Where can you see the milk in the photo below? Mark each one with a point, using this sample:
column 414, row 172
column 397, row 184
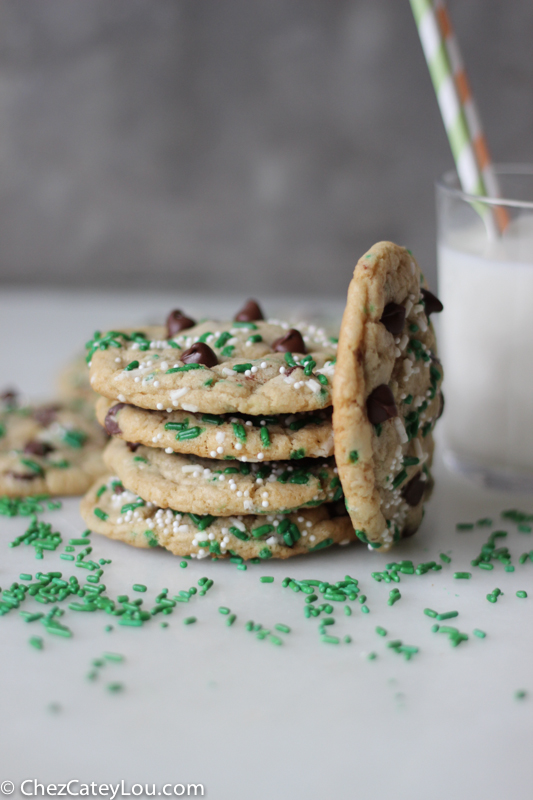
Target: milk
column 486, row 343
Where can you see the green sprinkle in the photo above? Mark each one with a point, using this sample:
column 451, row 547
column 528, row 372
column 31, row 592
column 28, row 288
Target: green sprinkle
column 445, row 558
column 177, row 426
column 255, row 338
column 37, row 642
column 239, row 431
column 183, row 564
column 185, row 368
column 265, row 436
column 223, row 610
column 348, row 611
column 321, row 545
column 430, row 613
column 380, row 631
column 115, row 657
column 465, row 526
column 265, row 553
column 79, row 541
column 242, row 367
column 249, row 325
column 399, row 479
column 33, row 465
column 282, row 628
column 139, row 587
column 231, row 619
column 480, row 634
column 101, row 514
column 189, row 620
column 353, row 458
column 212, row 419
column 447, row 615
column 131, row 365
column 465, row 575
column 520, row 694
column 330, row 639
column 115, row 688
column 266, row 579
column 521, row 593
column 189, row 433
column 365, row 609
column 275, row 639
column 242, row 535
column 25, row 576
column 296, row 454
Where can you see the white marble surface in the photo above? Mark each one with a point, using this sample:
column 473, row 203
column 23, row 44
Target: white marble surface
column 211, row 704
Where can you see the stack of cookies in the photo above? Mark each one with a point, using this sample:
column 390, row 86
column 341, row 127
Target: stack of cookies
column 222, row 432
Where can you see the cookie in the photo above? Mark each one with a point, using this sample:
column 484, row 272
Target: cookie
column 203, row 486
column 269, row 438
column 386, row 395
column 114, row 512
column 247, row 367
column 48, row 449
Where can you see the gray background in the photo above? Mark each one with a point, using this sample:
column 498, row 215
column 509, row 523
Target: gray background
column 233, row 145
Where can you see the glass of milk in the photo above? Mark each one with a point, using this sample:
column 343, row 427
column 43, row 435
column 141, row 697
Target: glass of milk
column 486, row 329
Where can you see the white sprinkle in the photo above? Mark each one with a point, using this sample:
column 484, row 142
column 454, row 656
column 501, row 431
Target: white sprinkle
column 168, row 450
column 282, row 370
column 400, row 428
column 263, row 365
column 313, row 385
column 238, row 446
column 189, row 407
column 159, row 406
column 220, row 450
column 260, row 456
column 122, row 398
column 265, row 504
column 177, row 393
column 213, row 453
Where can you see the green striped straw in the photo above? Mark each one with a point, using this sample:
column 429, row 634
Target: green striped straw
column 459, row 114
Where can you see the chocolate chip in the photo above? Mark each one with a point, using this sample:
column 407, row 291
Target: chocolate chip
column 407, row 532
column 45, row 415
column 36, row 448
column 338, row 509
column 118, row 489
column 199, row 353
column 19, row 476
column 249, row 312
column 413, row 492
column 132, row 446
column 393, row 318
column 292, row 342
column 110, row 423
column 380, row 405
column 432, row 304
column 176, row 322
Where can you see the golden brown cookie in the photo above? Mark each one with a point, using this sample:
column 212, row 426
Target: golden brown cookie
column 204, row 486
column 114, row 512
column 268, row 438
column 386, row 395
column 248, row 367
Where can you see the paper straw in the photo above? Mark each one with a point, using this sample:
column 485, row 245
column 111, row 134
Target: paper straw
column 459, row 114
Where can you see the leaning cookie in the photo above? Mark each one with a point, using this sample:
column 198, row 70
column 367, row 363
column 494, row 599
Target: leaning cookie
column 48, row 449
column 248, row 367
column 269, row 438
column 386, row 395
column 114, row 512
column 203, row 486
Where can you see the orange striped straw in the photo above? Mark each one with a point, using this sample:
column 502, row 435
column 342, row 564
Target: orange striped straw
column 459, row 113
